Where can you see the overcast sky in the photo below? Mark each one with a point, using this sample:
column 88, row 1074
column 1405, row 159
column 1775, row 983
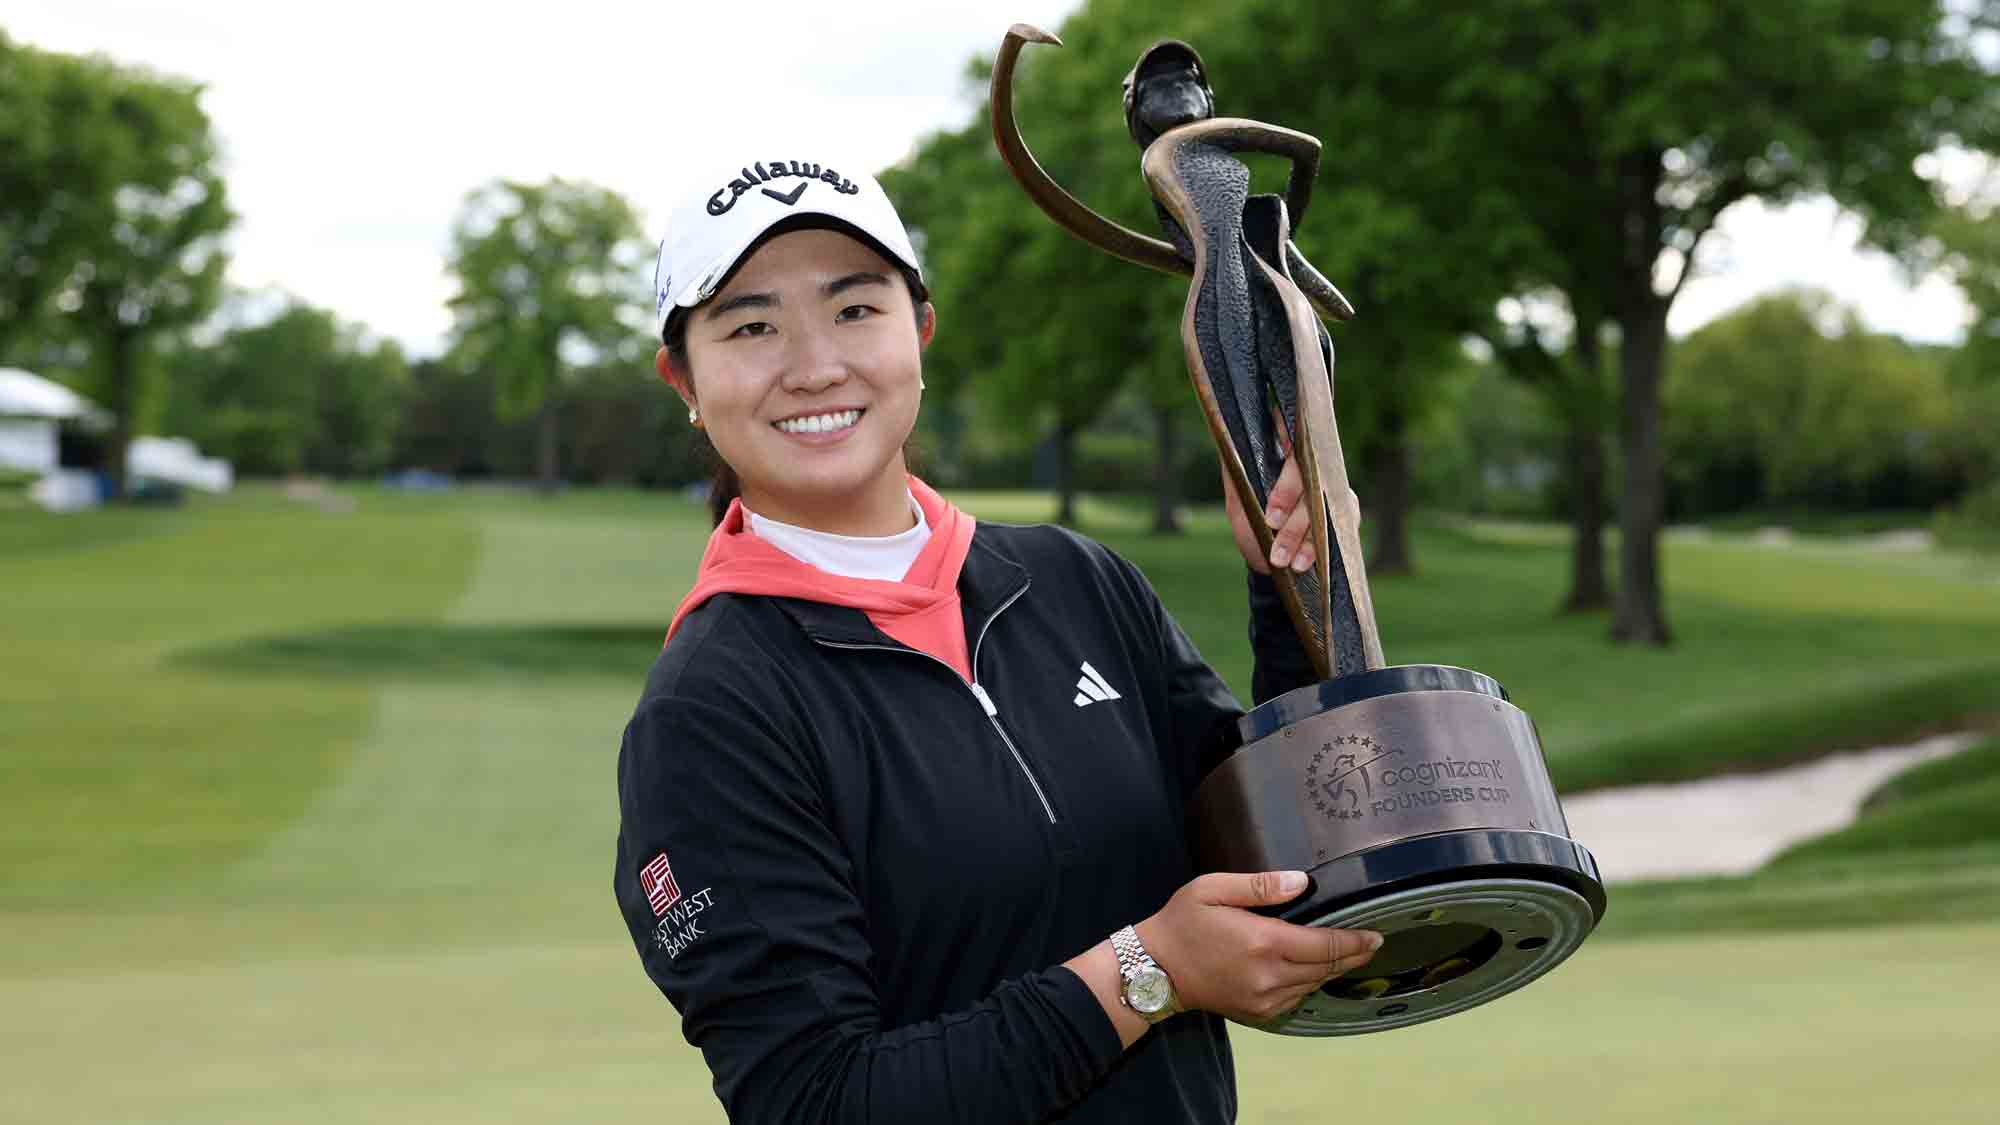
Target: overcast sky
column 353, row 132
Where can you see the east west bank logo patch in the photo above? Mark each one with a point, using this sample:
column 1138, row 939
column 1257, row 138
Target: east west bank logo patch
column 757, row 175
column 679, row 915
column 657, row 880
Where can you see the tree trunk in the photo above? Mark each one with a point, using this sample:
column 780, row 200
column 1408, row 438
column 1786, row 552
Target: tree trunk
column 1583, row 457
column 1065, row 474
column 548, row 470
column 1584, row 454
column 1166, row 473
column 1640, row 616
column 122, row 377
column 1389, row 489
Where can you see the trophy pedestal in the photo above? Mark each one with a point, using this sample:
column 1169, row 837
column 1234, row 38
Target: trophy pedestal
column 1416, row 799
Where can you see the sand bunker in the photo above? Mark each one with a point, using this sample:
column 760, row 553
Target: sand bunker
column 1730, row 825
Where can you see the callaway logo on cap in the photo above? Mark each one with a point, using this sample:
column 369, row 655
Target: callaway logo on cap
column 711, row 227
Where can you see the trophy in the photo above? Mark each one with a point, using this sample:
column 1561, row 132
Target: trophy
column 1414, row 796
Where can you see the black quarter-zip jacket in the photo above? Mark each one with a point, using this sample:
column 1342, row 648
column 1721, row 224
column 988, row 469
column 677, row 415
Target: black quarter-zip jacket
column 856, row 876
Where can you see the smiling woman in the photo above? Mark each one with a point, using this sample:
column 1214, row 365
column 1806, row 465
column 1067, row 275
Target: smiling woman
column 816, row 282
column 901, row 832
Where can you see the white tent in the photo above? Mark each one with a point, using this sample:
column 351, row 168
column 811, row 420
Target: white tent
column 177, row 460
column 31, row 408
column 24, row 394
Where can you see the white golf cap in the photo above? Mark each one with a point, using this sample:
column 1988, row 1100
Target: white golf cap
column 710, row 228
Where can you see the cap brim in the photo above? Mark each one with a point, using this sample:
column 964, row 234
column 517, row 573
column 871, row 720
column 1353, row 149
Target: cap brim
column 709, row 281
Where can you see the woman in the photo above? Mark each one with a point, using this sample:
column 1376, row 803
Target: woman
column 901, row 803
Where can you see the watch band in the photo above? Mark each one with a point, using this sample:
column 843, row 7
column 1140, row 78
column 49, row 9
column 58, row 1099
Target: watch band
column 1134, row 962
column 1132, row 955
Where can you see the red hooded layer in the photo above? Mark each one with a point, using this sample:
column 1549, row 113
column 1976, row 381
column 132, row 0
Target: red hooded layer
column 921, row 611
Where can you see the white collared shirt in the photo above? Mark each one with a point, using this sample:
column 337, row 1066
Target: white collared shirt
column 884, row 558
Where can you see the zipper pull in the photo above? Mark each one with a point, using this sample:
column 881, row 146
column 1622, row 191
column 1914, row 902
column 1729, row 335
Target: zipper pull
column 985, row 700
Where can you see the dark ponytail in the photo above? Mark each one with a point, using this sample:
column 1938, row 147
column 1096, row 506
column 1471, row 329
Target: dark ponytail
column 723, row 483
column 723, row 488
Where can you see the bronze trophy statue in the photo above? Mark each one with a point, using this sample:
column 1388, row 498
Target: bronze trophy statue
column 1415, row 796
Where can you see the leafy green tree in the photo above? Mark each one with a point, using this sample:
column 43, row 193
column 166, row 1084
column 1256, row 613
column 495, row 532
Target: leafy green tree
column 1062, row 326
column 625, row 428
column 39, row 236
column 1647, row 122
column 1042, row 328
column 154, row 264
column 1566, row 366
column 1790, row 402
column 296, row 390
column 64, row 155
column 550, row 279
column 1967, row 245
column 450, row 423
column 111, row 214
column 1423, row 252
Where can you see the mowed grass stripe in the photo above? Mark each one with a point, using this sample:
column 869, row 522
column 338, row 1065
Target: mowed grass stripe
column 126, row 772
column 1888, row 1025
column 462, row 787
column 623, row 558
column 504, row 782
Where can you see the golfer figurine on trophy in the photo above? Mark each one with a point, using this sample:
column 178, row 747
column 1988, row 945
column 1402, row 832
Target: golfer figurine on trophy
column 1415, row 796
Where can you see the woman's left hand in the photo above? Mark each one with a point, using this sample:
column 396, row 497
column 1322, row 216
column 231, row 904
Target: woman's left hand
column 1291, row 546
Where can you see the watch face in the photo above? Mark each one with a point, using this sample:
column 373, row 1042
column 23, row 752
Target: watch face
column 1150, row 991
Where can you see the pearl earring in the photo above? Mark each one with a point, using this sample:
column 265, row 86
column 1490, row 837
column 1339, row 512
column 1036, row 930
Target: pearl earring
column 694, row 416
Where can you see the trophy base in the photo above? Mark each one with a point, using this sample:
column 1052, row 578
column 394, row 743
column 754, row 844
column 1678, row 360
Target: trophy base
column 1417, row 801
column 1446, row 947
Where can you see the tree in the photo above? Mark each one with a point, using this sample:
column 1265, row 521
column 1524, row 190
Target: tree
column 1043, row 328
column 1422, row 251
column 450, row 423
column 549, row 279
column 153, row 260
column 1062, row 325
column 64, row 154
column 39, row 237
column 292, row 390
column 111, row 213
column 1648, row 122
column 1966, row 243
column 1564, row 363
column 1790, row 402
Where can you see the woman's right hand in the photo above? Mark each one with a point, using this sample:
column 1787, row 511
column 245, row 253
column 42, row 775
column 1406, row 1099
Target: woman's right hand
column 1243, row 966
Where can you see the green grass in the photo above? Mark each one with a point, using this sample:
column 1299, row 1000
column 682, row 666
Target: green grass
column 306, row 815
column 529, row 1021
column 1821, row 524
column 193, row 678
column 1824, row 892
column 1779, row 654
column 1976, row 764
column 1850, row 1027
column 1926, row 848
column 397, row 650
column 125, row 771
column 1947, row 803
